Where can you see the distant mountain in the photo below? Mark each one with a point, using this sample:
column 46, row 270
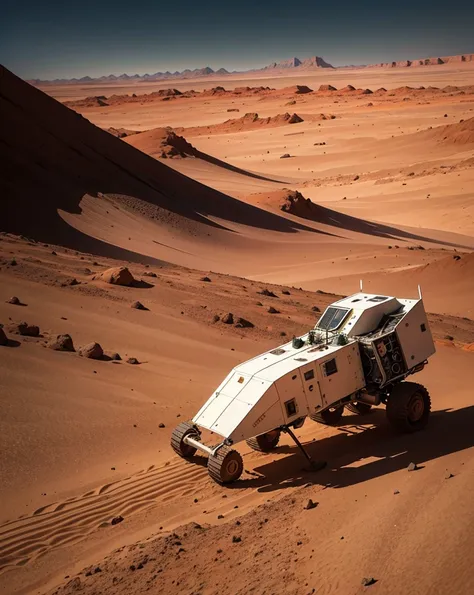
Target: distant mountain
column 425, row 62
column 306, row 63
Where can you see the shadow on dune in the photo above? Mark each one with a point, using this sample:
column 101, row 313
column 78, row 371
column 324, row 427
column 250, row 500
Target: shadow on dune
column 319, row 214
column 449, row 431
column 52, row 157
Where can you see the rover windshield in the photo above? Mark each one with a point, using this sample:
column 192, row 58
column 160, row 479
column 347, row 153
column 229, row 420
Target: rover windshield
column 332, row 318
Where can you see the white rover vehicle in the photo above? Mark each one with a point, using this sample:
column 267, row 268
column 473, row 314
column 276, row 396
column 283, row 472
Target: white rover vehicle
column 357, row 356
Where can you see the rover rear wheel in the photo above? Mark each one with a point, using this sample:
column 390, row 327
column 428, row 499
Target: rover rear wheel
column 408, row 407
column 265, row 442
column 329, row 416
column 180, row 447
column 359, row 408
column 225, row 466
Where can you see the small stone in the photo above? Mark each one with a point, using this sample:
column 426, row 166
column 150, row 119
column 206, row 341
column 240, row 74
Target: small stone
column 91, row 351
column 243, row 323
column 449, row 337
column 220, row 516
column 367, row 581
column 149, row 274
column 412, row 467
column 196, row 500
column 133, row 361
column 285, row 156
column 162, row 425
column 61, row 343
column 315, row 309
column 14, row 300
column 216, row 318
column 205, row 279
column 228, row 318
column 282, row 334
column 12, row 262
column 98, row 569
column 116, row 520
column 114, row 356
column 310, row 504
column 285, row 292
column 138, row 306
column 267, row 292
column 272, row 310
column 448, row 475
column 356, row 178
column 396, row 492
column 24, row 329
column 236, row 539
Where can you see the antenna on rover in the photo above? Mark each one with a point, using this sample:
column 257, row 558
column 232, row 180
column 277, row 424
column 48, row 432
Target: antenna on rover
column 419, row 292
column 360, row 285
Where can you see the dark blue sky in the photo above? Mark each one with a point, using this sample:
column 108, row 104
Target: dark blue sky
column 49, row 39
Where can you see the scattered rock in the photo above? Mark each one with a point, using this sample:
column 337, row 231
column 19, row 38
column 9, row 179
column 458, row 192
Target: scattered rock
column 315, row 309
column 116, row 520
column 216, row 318
column 114, row 356
column 412, row 467
column 61, row 343
column 243, row 323
column 91, row 351
column 285, row 292
column 367, row 581
column 24, row 329
column 205, row 279
column 449, row 337
column 455, row 257
column 282, row 334
column 396, row 492
column 149, row 274
column 356, row 178
column 258, row 304
column 161, row 425
column 448, row 475
column 272, row 310
column 310, row 505
column 138, row 306
column 220, row 516
column 116, row 276
column 3, row 337
column 12, row 262
column 228, row 318
column 236, row 539
column 267, row 292
column 133, row 361
column 285, row 156
column 319, row 144
column 16, row 301
column 70, row 282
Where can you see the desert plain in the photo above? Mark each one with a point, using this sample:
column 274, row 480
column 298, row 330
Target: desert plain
column 210, row 191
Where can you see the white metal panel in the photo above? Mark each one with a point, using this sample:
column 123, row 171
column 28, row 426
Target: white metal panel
column 231, row 417
column 417, row 344
column 348, row 379
column 266, row 415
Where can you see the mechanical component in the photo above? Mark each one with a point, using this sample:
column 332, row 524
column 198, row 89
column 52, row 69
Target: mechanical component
column 359, row 408
column 225, row 466
column 179, row 443
column 408, row 407
column 358, row 355
column 329, row 417
column 265, row 442
column 314, row 465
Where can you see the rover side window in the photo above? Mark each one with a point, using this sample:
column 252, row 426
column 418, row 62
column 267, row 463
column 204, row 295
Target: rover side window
column 290, row 407
column 330, row 367
column 309, row 375
column 333, row 318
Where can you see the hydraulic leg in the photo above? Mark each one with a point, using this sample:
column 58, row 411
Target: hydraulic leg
column 314, row 465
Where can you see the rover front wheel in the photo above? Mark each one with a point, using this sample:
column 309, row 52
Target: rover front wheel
column 329, row 417
column 225, row 466
column 359, row 408
column 408, row 407
column 265, row 442
column 178, row 444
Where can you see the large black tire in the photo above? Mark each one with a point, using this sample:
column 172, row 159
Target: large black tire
column 184, row 450
column 265, row 442
column 329, row 417
column 226, row 466
column 359, row 408
column 408, row 407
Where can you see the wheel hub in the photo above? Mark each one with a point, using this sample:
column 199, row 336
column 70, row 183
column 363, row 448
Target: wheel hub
column 416, row 408
column 232, row 467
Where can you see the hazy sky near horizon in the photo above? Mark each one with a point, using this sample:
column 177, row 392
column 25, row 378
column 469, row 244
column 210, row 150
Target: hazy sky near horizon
column 57, row 39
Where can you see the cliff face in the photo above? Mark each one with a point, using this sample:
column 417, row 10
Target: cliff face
column 425, row 61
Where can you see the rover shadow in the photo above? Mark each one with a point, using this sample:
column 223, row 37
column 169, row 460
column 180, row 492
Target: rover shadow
column 374, row 440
